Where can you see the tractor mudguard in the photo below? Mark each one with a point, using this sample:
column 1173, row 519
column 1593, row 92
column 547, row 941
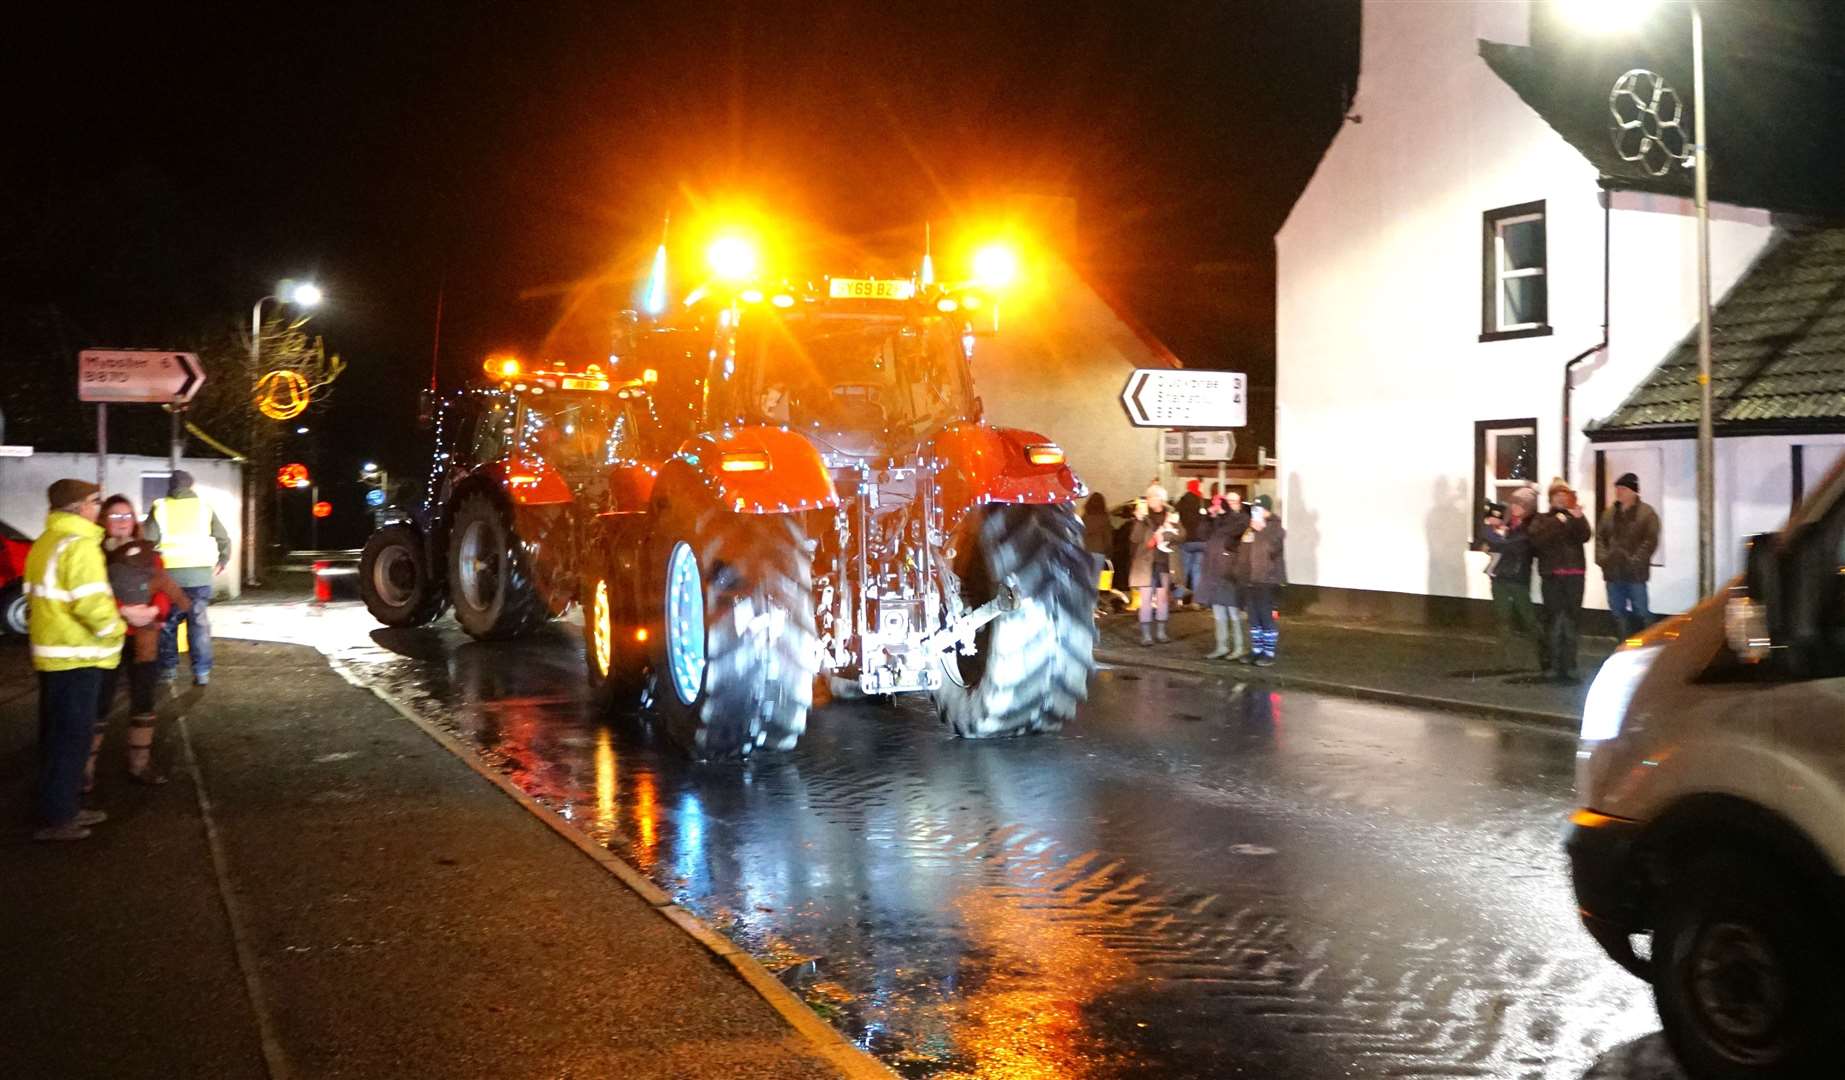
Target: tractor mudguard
column 631, row 486
column 530, row 482
column 752, row 470
column 976, row 464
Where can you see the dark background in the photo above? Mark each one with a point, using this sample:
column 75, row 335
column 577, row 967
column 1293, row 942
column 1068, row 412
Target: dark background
column 166, row 169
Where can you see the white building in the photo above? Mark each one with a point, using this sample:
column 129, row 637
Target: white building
column 1470, row 233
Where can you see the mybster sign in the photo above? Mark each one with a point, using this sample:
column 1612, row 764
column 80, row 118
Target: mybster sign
column 140, row 375
column 1167, row 397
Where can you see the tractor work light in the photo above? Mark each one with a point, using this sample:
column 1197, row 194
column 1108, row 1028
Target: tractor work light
column 782, row 300
column 750, row 296
column 996, row 266
column 947, row 305
column 502, row 366
column 733, row 257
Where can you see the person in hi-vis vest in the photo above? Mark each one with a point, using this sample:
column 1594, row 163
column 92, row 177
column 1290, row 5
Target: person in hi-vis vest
column 194, row 546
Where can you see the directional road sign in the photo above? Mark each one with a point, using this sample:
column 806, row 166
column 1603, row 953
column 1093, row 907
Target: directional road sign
column 1168, row 397
column 141, row 375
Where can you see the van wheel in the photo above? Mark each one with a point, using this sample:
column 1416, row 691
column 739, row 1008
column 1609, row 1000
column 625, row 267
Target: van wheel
column 1741, row 972
column 13, row 608
column 395, row 579
column 489, row 578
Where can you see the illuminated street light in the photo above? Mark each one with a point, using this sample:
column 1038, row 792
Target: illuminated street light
column 1608, row 16
column 306, row 295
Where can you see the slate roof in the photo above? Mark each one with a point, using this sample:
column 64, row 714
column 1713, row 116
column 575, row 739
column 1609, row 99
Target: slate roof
column 1774, row 123
column 1777, row 352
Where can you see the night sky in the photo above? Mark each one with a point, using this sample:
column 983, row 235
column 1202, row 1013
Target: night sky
column 166, row 169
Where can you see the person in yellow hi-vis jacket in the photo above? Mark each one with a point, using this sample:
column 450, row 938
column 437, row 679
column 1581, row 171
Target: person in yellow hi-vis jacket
column 194, row 547
column 76, row 635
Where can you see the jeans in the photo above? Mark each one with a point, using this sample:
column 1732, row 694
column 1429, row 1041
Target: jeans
column 1562, row 610
column 67, row 707
column 1518, row 619
column 1264, row 635
column 1192, row 552
column 198, row 635
column 1627, row 603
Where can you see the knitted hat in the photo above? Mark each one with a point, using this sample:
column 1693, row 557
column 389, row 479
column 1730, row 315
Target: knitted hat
column 181, row 480
column 69, row 492
column 1525, row 496
column 1559, row 484
column 1196, row 487
column 1630, row 482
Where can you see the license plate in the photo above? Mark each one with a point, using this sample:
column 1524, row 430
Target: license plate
column 871, row 289
column 576, row 383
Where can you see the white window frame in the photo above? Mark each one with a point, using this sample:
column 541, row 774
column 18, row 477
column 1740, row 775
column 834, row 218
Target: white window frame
column 1487, row 485
column 1502, row 322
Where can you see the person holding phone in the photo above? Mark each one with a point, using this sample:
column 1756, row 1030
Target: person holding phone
column 1153, row 539
column 1558, row 536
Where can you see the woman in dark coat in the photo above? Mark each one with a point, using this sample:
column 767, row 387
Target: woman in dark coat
column 1153, row 542
column 1223, row 532
column 1261, row 571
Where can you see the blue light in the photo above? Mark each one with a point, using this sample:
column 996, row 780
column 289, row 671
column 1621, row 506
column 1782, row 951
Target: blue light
column 656, row 285
column 374, row 497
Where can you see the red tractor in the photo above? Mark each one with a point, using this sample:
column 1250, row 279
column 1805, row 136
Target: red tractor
column 495, row 533
column 801, row 487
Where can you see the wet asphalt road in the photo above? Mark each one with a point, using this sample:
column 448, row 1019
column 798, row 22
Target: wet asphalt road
column 1199, row 878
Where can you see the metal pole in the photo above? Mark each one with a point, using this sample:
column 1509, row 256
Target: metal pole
column 1707, row 496
column 252, row 515
column 313, row 518
column 173, row 442
column 102, row 442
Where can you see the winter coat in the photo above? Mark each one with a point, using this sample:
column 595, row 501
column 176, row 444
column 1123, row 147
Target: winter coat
column 1261, row 557
column 1557, row 537
column 1098, row 532
column 1191, row 517
column 137, row 576
column 1625, row 541
column 73, row 622
column 1216, row 585
column 1140, row 574
column 1512, row 553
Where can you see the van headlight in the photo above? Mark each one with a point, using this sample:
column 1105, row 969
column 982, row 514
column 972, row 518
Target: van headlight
column 1612, row 690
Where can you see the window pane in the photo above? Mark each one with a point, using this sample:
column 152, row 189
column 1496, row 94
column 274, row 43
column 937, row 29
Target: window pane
column 1512, row 457
column 1523, row 244
column 1524, row 301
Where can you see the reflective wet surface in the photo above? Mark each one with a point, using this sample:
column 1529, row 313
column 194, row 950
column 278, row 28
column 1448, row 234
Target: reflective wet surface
column 1199, row 878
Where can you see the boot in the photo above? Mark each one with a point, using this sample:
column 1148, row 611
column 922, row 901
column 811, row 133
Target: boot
column 1220, row 622
column 141, row 751
column 1239, row 634
column 1146, row 634
column 1159, row 632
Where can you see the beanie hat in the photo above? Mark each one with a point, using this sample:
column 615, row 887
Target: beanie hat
column 181, row 480
column 1525, row 496
column 1559, row 484
column 1196, row 487
column 1156, row 493
column 1266, row 503
column 1630, row 482
column 68, row 492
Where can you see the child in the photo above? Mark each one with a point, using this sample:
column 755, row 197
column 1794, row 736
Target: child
column 1261, row 571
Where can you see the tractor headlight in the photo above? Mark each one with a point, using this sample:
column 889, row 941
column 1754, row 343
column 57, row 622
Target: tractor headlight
column 1613, row 690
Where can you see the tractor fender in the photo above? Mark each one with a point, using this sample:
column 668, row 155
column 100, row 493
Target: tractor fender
column 750, row 470
column 976, row 464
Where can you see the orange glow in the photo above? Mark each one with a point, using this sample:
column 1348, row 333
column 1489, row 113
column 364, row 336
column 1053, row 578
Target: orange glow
column 641, row 634
column 605, row 783
column 646, row 821
column 996, row 265
column 782, row 300
column 946, row 305
column 650, row 376
column 739, row 461
column 323, row 509
column 750, row 296
column 1044, row 454
column 733, row 257
column 503, row 366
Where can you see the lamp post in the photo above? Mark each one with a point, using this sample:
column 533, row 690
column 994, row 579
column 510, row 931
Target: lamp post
column 1624, row 14
column 304, row 295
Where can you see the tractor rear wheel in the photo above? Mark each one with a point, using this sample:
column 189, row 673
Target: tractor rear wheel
column 737, row 650
column 489, row 582
column 395, row 579
column 1030, row 667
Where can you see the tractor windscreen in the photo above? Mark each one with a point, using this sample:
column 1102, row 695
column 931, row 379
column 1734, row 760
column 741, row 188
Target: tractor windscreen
column 571, row 432
column 852, row 371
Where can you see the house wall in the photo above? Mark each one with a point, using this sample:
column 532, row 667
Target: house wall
column 23, row 482
column 1058, row 367
column 1381, row 373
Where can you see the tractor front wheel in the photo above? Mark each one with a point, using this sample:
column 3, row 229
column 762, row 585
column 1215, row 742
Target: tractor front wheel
column 1030, row 667
column 395, row 579
column 489, row 581
column 737, row 650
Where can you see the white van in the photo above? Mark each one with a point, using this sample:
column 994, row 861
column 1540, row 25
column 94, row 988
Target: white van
column 1711, row 786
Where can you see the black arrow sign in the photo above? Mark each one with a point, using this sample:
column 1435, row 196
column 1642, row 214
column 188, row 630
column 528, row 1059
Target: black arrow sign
column 194, row 376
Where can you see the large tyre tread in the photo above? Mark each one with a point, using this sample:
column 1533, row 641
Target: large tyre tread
column 522, row 610
column 430, row 599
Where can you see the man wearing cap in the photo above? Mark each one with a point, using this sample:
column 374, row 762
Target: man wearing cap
column 76, row 635
column 194, row 547
column 1557, row 538
column 1625, row 539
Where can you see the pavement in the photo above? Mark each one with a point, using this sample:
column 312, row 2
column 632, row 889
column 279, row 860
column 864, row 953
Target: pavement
column 325, row 891
column 1381, row 662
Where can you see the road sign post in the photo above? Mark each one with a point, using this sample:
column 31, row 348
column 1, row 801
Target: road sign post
column 1176, row 398
column 137, row 376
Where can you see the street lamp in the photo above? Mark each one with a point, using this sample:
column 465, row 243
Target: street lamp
column 304, row 295
column 1623, row 15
